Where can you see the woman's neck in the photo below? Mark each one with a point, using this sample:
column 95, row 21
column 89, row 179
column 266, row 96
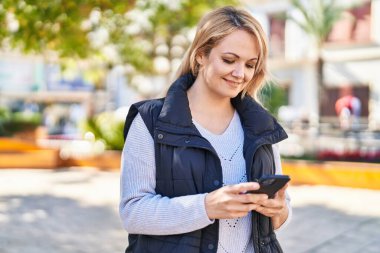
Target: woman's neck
column 203, row 101
column 211, row 111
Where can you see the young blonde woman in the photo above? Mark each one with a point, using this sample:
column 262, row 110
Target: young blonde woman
column 190, row 157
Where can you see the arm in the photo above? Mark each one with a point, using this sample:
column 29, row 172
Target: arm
column 142, row 211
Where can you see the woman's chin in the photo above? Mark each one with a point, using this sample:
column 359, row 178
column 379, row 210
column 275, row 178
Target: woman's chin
column 231, row 94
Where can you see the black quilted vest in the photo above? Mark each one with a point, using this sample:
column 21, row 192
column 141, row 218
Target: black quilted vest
column 186, row 164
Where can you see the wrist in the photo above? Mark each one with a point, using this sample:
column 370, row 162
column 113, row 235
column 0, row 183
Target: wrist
column 208, row 207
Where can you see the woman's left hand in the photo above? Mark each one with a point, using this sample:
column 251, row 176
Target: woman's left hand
column 275, row 208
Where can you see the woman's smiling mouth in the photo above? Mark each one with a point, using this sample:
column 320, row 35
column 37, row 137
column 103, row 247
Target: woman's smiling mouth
column 232, row 83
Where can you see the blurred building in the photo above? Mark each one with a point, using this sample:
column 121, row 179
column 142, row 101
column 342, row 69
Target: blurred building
column 351, row 58
column 63, row 99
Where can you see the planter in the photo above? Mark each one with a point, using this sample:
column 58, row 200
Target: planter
column 19, row 153
column 109, row 160
column 347, row 174
column 38, row 159
column 15, row 144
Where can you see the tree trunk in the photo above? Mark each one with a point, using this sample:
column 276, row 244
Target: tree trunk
column 322, row 99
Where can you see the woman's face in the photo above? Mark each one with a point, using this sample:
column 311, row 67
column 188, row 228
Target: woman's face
column 230, row 65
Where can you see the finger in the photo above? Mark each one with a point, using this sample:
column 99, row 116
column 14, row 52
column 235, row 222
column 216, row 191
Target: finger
column 242, row 187
column 281, row 192
column 238, row 210
column 273, row 203
column 269, row 212
column 283, row 189
column 252, row 198
column 245, row 209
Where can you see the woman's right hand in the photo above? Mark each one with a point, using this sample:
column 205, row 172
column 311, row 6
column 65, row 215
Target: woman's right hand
column 230, row 201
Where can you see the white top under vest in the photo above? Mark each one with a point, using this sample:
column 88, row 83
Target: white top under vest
column 142, row 211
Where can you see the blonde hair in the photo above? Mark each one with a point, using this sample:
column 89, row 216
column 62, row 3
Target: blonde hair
column 213, row 28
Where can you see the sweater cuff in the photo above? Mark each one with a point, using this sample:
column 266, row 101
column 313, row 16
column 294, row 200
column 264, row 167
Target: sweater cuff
column 210, row 221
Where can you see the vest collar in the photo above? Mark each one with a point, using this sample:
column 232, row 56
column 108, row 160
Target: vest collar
column 176, row 110
column 255, row 119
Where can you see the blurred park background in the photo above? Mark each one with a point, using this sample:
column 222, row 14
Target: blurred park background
column 69, row 70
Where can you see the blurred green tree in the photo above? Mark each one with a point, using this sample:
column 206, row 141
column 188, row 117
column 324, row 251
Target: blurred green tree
column 13, row 122
column 57, row 25
column 136, row 33
column 107, row 128
column 155, row 34
column 37, row 26
column 273, row 97
column 317, row 19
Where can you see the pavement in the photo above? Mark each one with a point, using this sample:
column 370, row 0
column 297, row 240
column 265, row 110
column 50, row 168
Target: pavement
column 76, row 211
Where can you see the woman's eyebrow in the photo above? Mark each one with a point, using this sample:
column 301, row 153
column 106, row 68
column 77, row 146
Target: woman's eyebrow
column 237, row 56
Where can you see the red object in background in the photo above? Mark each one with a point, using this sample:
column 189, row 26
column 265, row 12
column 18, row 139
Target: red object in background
column 350, row 102
column 344, row 102
column 353, row 156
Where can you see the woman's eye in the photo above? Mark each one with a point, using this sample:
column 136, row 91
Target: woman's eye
column 228, row 61
column 250, row 66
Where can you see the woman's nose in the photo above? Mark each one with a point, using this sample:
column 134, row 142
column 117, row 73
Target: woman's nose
column 238, row 72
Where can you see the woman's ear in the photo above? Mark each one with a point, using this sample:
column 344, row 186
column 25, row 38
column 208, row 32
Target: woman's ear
column 200, row 59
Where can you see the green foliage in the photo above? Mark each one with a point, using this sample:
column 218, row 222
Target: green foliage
column 11, row 123
column 53, row 25
column 104, row 32
column 165, row 19
column 306, row 157
column 168, row 20
column 273, row 97
column 319, row 16
column 57, row 25
column 107, row 128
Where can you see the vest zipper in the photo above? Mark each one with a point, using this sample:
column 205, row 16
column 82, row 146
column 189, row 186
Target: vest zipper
column 257, row 244
column 255, row 220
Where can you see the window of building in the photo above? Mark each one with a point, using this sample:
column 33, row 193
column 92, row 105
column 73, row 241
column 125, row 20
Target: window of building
column 277, row 35
column 332, row 94
column 354, row 26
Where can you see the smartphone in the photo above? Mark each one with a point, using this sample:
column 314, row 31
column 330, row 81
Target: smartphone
column 270, row 184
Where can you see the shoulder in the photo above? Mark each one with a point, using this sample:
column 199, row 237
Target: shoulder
column 150, row 104
column 138, row 133
column 147, row 109
column 147, row 106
